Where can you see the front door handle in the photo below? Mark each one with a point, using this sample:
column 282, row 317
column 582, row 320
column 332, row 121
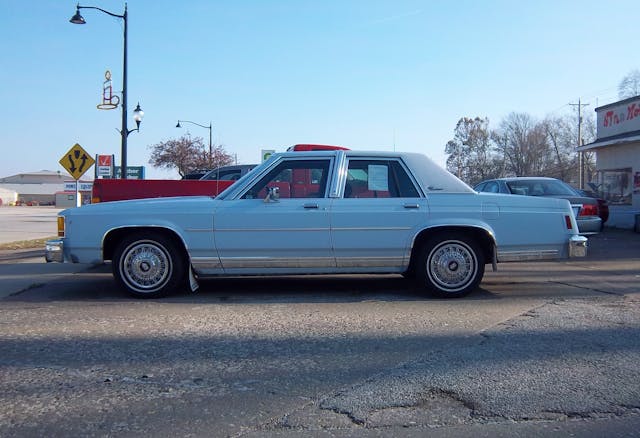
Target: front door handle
column 415, row 206
column 311, row 205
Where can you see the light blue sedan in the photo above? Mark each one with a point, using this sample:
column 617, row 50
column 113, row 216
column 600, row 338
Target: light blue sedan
column 321, row 212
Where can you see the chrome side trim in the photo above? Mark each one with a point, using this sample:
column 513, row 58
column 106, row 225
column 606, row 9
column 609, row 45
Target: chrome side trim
column 371, row 228
column 370, row 262
column 139, row 225
column 534, row 254
column 340, row 179
column 268, row 262
column 205, row 263
column 270, row 230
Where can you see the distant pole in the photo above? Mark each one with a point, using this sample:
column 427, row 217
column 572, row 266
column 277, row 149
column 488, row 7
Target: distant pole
column 580, row 154
column 210, row 128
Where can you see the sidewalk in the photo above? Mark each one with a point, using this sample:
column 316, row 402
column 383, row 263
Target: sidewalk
column 26, row 268
column 27, row 223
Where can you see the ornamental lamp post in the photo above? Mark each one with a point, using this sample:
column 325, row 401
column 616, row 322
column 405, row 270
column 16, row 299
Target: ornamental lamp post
column 137, row 113
column 202, row 126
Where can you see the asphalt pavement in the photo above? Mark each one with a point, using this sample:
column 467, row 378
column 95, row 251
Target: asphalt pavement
column 542, row 349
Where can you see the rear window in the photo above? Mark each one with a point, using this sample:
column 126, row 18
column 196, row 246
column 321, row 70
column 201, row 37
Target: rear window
column 540, row 188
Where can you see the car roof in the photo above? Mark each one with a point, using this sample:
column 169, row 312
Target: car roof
column 524, row 178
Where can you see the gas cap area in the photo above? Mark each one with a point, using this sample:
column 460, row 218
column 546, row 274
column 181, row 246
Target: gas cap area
column 490, row 210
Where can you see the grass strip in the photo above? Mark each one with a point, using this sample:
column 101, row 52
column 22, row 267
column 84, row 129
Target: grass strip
column 25, row 244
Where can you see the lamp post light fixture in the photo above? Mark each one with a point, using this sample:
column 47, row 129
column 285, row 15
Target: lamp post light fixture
column 202, row 126
column 137, row 113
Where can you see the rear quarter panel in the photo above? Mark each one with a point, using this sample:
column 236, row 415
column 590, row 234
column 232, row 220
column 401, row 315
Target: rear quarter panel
column 518, row 223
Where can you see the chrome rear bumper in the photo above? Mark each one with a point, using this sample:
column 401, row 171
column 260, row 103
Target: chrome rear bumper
column 53, row 251
column 578, row 246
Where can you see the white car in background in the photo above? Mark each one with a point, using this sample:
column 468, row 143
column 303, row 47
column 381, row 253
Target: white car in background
column 321, row 212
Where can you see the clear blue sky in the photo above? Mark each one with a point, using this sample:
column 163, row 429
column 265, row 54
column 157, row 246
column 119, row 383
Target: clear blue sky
column 366, row 74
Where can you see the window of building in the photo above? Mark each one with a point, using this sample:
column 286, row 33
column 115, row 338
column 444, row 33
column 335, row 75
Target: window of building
column 615, row 186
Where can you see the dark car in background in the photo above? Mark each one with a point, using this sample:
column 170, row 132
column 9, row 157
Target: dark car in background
column 603, row 205
column 228, row 173
column 585, row 208
column 196, row 174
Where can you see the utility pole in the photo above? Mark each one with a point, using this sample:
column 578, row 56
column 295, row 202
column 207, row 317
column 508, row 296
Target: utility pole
column 580, row 154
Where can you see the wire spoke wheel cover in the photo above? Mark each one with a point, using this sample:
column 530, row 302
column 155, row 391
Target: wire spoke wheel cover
column 150, row 266
column 146, row 265
column 451, row 266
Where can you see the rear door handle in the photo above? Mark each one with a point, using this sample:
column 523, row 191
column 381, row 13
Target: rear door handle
column 311, row 205
column 415, row 206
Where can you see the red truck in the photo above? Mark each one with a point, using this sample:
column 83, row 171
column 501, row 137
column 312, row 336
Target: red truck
column 105, row 190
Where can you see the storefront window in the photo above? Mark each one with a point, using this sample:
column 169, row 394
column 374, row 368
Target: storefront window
column 615, row 185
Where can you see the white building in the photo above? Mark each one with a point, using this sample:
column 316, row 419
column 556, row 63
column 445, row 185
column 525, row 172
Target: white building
column 41, row 188
column 617, row 148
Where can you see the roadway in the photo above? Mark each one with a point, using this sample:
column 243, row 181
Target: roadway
column 542, row 349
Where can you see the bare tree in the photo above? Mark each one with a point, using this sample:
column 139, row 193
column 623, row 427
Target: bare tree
column 629, row 85
column 186, row 154
column 523, row 144
column 470, row 151
column 561, row 136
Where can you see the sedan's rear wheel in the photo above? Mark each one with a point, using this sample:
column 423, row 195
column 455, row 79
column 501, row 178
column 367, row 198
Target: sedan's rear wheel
column 149, row 266
column 450, row 265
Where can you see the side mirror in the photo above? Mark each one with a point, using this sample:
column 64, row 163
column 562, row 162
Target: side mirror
column 273, row 195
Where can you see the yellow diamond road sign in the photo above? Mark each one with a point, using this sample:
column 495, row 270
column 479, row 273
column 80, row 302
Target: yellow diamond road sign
column 77, row 161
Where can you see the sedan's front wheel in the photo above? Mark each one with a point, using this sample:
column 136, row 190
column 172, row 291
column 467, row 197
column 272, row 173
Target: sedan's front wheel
column 450, row 265
column 149, row 266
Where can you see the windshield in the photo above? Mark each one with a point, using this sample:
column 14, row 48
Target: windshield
column 247, row 175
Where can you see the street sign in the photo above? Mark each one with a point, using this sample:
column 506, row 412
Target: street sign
column 266, row 154
column 76, row 161
column 70, row 186
column 104, row 166
column 133, row 172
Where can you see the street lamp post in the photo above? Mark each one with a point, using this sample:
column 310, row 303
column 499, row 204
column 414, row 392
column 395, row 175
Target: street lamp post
column 137, row 113
column 202, row 126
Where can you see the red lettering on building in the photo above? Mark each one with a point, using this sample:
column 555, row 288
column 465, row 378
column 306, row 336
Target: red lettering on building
column 611, row 118
column 633, row 111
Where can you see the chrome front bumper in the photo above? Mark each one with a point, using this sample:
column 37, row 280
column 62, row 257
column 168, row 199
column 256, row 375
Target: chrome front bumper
column 578, row 246
column 54, row 251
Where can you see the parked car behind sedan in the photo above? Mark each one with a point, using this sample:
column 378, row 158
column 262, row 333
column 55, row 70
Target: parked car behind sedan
column 603, row 205
column 585, row 208
column 228, row 173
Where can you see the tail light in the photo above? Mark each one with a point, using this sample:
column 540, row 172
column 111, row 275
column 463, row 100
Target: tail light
column 567, row 220
column 588, row 210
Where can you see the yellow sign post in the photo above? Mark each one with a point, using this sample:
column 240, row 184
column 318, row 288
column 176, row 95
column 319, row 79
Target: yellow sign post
column 77, row 161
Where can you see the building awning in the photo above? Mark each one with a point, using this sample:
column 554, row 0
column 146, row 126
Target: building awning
column 620, row 141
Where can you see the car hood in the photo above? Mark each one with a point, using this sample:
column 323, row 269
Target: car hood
column 181, row 203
